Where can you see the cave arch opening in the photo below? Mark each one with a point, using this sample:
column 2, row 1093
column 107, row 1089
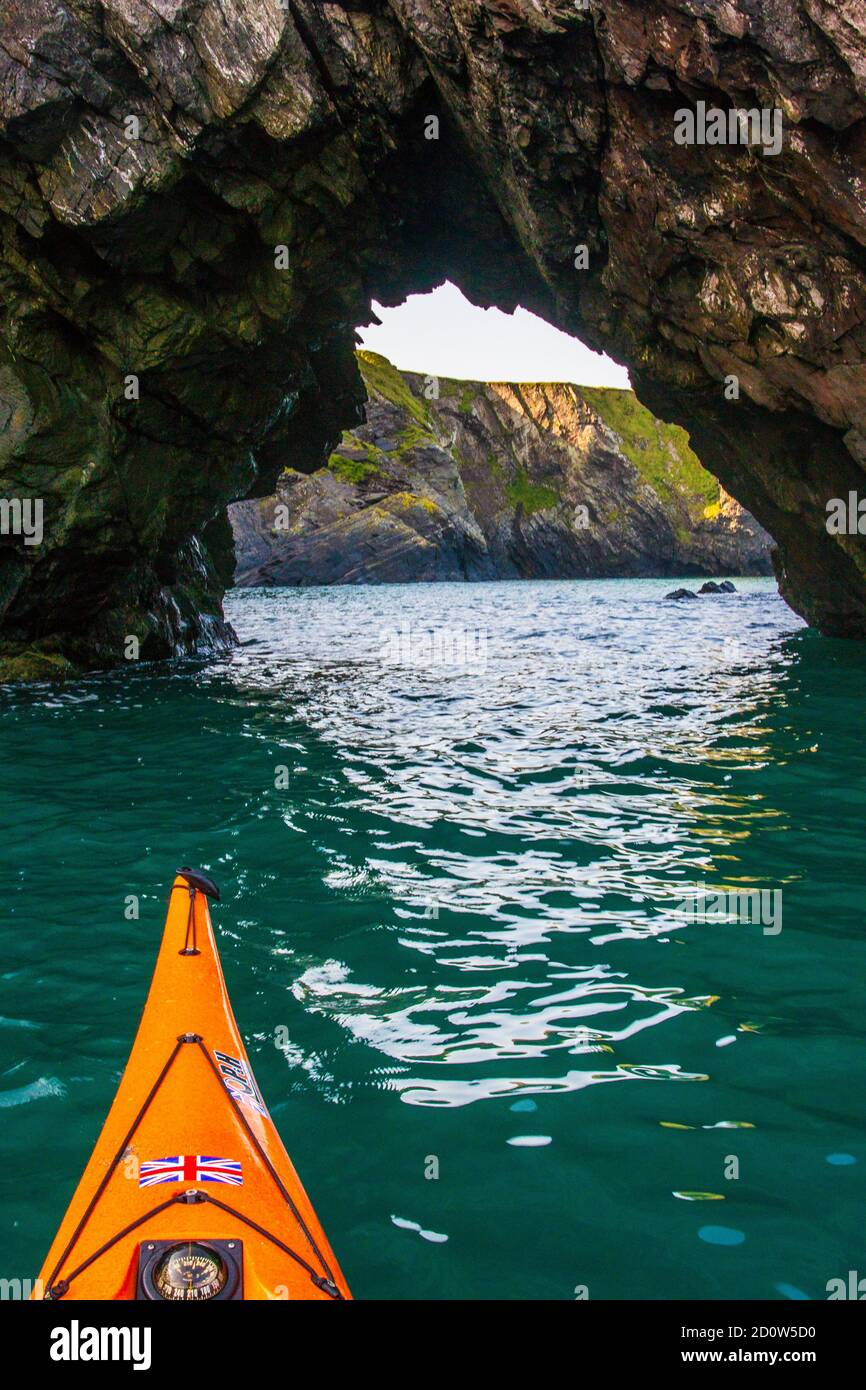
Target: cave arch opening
column 493, row 446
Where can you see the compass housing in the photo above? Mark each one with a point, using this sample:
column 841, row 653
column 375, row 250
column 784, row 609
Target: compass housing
column 190, row 1271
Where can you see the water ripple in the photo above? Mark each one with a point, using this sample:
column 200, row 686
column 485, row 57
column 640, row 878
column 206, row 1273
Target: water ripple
column 456, row 889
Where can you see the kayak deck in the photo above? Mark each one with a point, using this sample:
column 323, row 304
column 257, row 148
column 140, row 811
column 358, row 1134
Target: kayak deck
column 189, row 1192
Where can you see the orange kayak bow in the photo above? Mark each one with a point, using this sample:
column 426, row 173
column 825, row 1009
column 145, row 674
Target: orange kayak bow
column 189, row 1192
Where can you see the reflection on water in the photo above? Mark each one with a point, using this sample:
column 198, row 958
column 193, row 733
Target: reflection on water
column 456, row 827
column 515, row 813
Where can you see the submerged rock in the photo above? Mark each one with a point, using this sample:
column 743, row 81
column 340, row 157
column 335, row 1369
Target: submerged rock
column 681, row 593
column 496, row 481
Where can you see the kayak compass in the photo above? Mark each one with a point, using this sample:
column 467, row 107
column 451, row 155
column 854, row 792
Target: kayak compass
column 190, row 1270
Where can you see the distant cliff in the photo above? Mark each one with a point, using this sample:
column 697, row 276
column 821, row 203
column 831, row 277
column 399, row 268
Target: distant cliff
column 496, row 481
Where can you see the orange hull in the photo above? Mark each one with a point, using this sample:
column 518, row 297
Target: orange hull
column 189, row 1192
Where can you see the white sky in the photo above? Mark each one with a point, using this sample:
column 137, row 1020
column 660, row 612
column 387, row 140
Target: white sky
column 444, row 335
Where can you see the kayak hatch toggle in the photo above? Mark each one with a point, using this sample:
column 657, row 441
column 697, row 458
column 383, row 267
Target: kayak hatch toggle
column 197, row 882
column 203, row 882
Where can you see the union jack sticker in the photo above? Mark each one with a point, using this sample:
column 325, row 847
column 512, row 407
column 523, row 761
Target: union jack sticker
column 190, row 1168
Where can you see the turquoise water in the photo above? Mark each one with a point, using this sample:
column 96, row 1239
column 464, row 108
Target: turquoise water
column 451, row 873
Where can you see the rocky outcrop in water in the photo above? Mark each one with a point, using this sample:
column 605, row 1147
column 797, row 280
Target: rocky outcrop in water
column 198, row 201
column 450, row 480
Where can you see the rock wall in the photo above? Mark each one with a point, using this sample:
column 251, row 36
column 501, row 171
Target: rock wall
column 198, row 200
column 453, row 480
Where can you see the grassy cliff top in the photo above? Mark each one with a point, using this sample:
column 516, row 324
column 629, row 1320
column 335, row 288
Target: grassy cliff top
column 382, row 378
column 660, row 452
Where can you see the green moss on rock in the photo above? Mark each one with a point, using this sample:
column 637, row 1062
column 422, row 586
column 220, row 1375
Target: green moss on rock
column 660, row 452
column 532, row 497
column 352, row 470
column 33, row 665
column 382, row 379
column 415, row 437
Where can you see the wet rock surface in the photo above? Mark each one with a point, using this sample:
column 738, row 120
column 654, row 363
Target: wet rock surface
column 154, row 160
column 496, row 481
